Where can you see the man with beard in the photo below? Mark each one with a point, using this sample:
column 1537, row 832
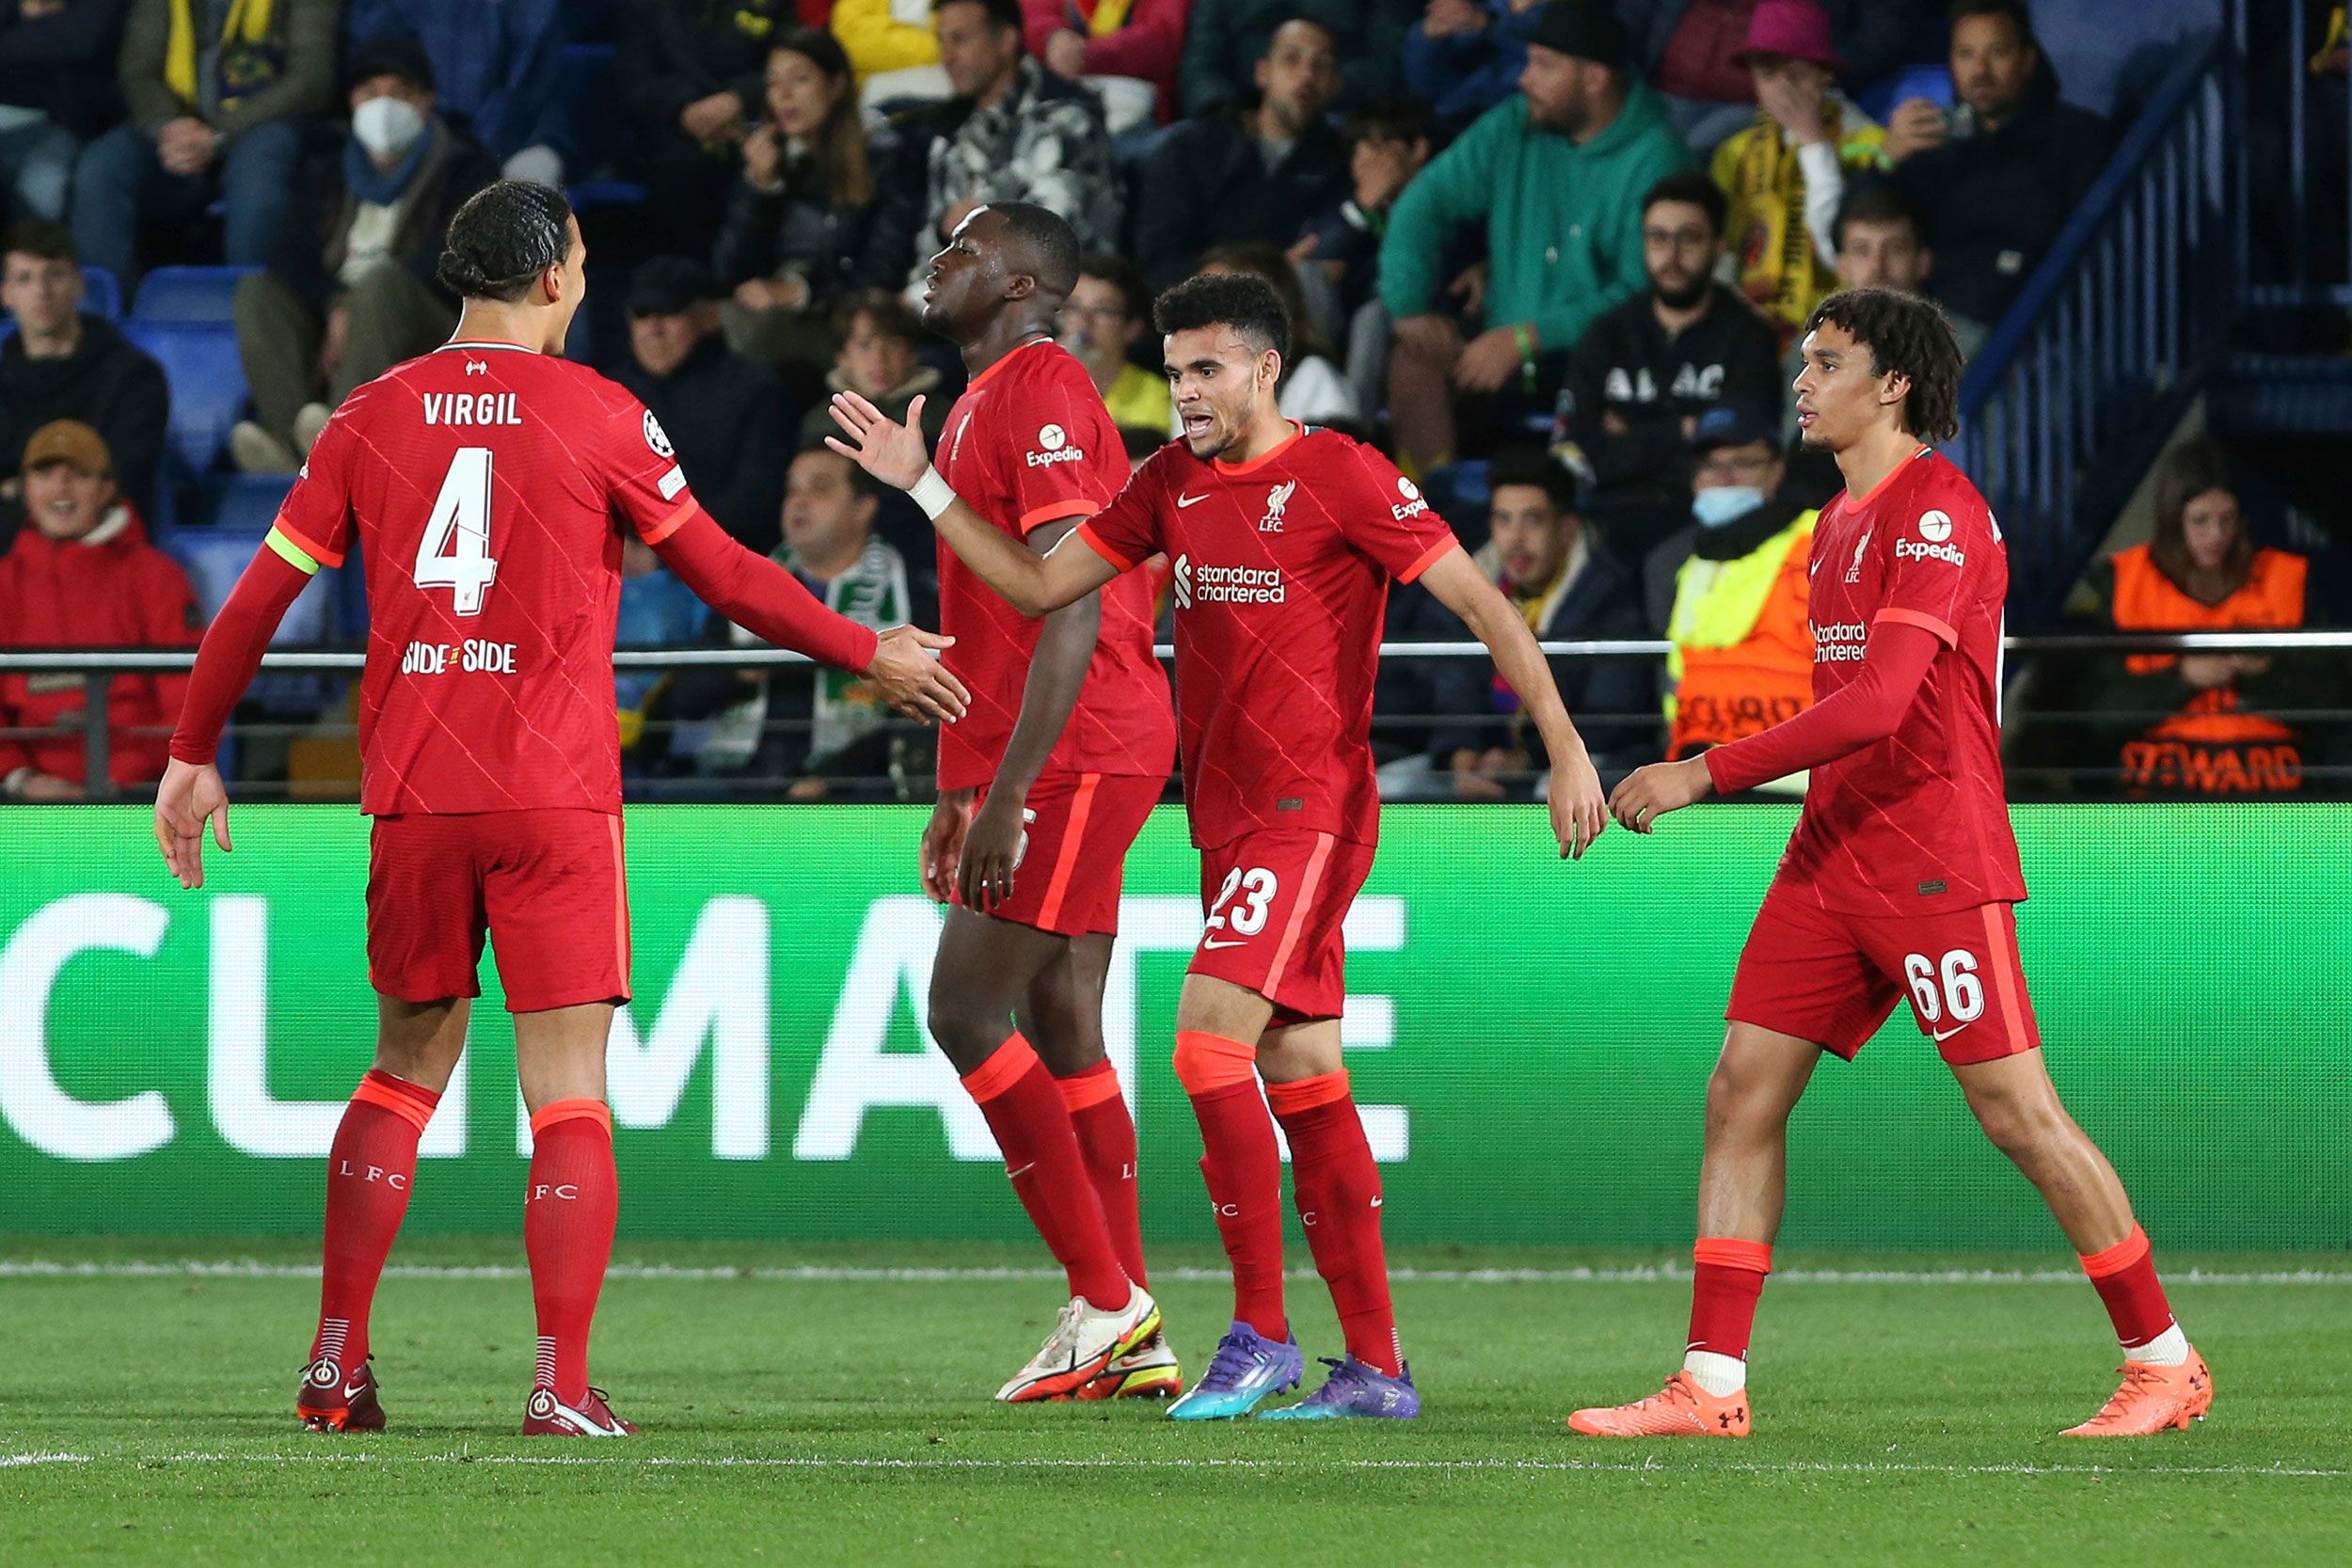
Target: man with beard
column 1643, row 374
column 1556, row 172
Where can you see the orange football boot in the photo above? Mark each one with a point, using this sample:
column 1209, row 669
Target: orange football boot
column 1682, row 1409
column 2152, row 1399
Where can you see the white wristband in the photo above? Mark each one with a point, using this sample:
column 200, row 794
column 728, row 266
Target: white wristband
column 932, row 494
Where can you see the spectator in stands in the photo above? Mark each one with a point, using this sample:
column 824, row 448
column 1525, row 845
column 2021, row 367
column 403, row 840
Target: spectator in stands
column 877, row 342
column 1223, row 37
column 688, row 72
column 371, row 300
column 2001, row 174
column 1107, row 315
column 1643, row 374
column 1691, row 51
column 1312, row 390
column 818, row 727
column 892, row 47
column 1014, row 133
column 2207, row 724
column 1125, row 52
column 83, row 575
column 1730, row 589
column 1544, row 557
column 1388, row 144
column 723, row 414
column 1557, row 175
column 1464, row 56
column 217, row 91
column 1881, row 243
column 799, row 232
column 496, row 66
column 1246, row 175
column 1786, row 174
column 57, row 91
column 64, row 364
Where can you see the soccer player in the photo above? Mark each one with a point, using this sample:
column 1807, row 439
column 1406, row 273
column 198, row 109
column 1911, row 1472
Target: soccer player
column 1285, row 541
column 1067, row 745
column 1900, row 881
column 488, row 484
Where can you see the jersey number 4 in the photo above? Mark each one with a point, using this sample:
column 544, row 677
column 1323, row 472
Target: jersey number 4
column 455, row 551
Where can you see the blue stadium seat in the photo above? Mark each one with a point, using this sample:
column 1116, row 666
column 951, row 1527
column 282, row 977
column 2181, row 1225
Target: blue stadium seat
column 100, row 294
column 207, row 381
column 188, row 294
column 251, row 501
column 214, row 558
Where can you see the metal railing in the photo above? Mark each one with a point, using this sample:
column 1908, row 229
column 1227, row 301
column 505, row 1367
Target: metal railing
column 2092, row 366
column 99, row 667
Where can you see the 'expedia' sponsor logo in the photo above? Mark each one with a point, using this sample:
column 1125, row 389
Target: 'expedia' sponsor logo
column 1839, row 642
column 1913, row 549
column 1412, row 505
column 1209, row 584
column 1055, row 442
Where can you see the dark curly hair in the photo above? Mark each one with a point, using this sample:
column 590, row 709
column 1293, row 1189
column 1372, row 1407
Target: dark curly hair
column 505, row 235
column 1906, row 336
column 1241, row 300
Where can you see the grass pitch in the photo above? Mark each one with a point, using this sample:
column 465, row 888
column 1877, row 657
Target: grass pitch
column 819, row 1406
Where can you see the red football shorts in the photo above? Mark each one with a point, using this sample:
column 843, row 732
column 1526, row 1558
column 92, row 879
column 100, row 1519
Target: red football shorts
column 1276, row 902
column 548, row 887
column 1834, row 978
column 1069, row 878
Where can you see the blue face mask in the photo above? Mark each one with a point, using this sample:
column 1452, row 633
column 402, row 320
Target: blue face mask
column 1725, row 503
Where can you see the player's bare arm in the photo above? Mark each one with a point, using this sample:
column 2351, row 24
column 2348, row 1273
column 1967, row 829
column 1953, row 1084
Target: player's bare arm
column 943, row 842
column 895, row 453
column 1577, row 815
column 1057, row 670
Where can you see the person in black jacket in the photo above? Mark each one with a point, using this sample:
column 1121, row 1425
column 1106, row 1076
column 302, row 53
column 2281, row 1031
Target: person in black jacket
column 61, row 364
column 723, row 414
column 2002, row 174
column 1246, row 176
column 370, row 299
column 799, row 231
column 688, row 73
column 57, row 91
column 1642, row 375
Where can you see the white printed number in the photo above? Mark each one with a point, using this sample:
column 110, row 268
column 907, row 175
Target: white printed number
column 455, row 552
column 1961, row 993
column 1256, row 886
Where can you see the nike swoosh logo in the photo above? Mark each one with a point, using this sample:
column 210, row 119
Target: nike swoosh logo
column 1182, row 502
column 1942, row 1035
column 1214, row 943
column 1809, row 571
column 353, row 1391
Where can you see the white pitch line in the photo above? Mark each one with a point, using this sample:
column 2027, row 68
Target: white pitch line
column 823, row 1274
column 764, row 1461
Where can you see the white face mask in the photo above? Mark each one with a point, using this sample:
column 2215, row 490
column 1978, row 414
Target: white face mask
column 1725, row 503
column 388, row 126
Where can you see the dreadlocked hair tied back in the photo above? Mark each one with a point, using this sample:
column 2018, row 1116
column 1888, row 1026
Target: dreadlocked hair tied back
column 505, row 235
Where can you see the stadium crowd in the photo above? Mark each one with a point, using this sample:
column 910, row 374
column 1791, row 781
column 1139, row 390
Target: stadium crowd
column 1551, row 255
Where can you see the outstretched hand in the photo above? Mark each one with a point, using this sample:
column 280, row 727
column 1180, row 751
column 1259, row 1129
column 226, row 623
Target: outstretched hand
column 188, row 797
column 894, row 453
column 912, row 681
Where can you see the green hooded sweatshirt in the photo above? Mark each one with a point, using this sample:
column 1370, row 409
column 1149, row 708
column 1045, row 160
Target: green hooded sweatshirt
column 1563, row 222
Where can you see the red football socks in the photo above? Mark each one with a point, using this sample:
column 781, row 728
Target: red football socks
column 568, row 1213
column 1244, row 1170
column 369, row 1170
column 1106, row 1142
column 1025, row 1109
column 2125, row 1277
column 1724, row 1296
column 1338, row 1191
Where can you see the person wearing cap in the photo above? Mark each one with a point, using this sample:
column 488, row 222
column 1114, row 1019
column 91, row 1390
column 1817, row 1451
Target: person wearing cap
column 369, row 299
column 724, row 415
column 64, row 363
column 1786, row 174
column 82, row 573
column 1643, row 374
column 217, row 91
column 1556, row 173
column 1729, row 590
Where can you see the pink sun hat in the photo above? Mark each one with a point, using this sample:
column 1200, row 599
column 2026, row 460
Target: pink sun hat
column 1794, row 29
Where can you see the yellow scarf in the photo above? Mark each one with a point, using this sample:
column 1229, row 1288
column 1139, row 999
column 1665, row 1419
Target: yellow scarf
column 248, row 22
column 1107, row 16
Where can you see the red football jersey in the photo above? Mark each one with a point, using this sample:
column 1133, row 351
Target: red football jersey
column 483, row 483
column 1029, row 443
column 1918, row 823
column 1282, row 568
